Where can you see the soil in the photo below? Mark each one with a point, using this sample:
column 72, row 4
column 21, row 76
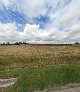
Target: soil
column 7, row 82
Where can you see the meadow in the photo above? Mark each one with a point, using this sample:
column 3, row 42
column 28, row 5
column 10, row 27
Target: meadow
column 14, row 56
column 39, row 67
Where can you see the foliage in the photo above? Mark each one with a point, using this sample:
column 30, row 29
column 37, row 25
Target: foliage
column 77, row 43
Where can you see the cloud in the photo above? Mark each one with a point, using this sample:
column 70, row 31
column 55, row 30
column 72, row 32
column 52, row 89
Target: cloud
column 63, row 20
column 71, row 13
column 35, row 8
column 30, row 8
column 33, row 33
column 5, row 3
column 8, row 32
column 74, row 34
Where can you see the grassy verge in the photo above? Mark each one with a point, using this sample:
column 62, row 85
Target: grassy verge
column 30, row 79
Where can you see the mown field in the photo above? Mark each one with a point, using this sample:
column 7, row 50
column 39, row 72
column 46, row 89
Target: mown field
column 39, row 67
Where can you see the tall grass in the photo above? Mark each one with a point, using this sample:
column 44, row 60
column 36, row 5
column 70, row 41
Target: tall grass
column 39, row 67
column 40, row 78
column 26, row 55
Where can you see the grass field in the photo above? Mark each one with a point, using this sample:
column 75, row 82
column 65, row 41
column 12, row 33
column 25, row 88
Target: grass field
column 39, row 67
column 30, row 55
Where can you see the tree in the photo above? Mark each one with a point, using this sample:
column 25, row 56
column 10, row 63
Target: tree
column 3, row 44
column 76, row 42
column 8, row 43
column 20, row 42
column 25, row 43
column 17, row 43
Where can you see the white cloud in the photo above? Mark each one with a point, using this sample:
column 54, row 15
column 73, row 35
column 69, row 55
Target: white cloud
column 5, row 3
column 8, row 32
column 71, row 13
column 30, row 8
column 32, row 33
column 63, row 14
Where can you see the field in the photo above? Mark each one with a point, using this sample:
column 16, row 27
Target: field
column 29, row 55
column 39, row 67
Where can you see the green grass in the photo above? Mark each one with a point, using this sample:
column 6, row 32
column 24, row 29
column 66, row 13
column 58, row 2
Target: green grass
column 40, row 78
column 39, row 67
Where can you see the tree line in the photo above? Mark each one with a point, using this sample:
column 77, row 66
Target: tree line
column 16, row 43
column 25, row 43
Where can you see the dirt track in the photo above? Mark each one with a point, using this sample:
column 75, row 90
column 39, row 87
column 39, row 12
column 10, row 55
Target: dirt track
column 69, row 88
column 77, row 89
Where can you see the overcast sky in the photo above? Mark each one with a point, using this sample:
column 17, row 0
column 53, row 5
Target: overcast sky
column 40, row 21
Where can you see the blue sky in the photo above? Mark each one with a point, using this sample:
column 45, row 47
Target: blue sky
column 40, row 21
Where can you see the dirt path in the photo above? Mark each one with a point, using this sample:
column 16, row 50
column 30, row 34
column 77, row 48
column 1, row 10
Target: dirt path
column 77, row 89
column 7, row 82
column 68, row 88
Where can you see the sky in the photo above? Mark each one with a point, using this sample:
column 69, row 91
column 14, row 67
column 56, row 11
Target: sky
column 40, row 21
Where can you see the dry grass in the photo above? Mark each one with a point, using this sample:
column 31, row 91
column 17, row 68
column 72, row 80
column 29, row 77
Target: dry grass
column 58, row 65
column 14, row 56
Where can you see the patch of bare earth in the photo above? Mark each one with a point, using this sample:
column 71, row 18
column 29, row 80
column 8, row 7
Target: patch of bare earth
column 7, row 82
column 68, row 88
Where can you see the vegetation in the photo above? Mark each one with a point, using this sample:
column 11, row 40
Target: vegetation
column 16, row 56
column 39, row 66
column 77, row 43
column 40, row 78
column 25, row 43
